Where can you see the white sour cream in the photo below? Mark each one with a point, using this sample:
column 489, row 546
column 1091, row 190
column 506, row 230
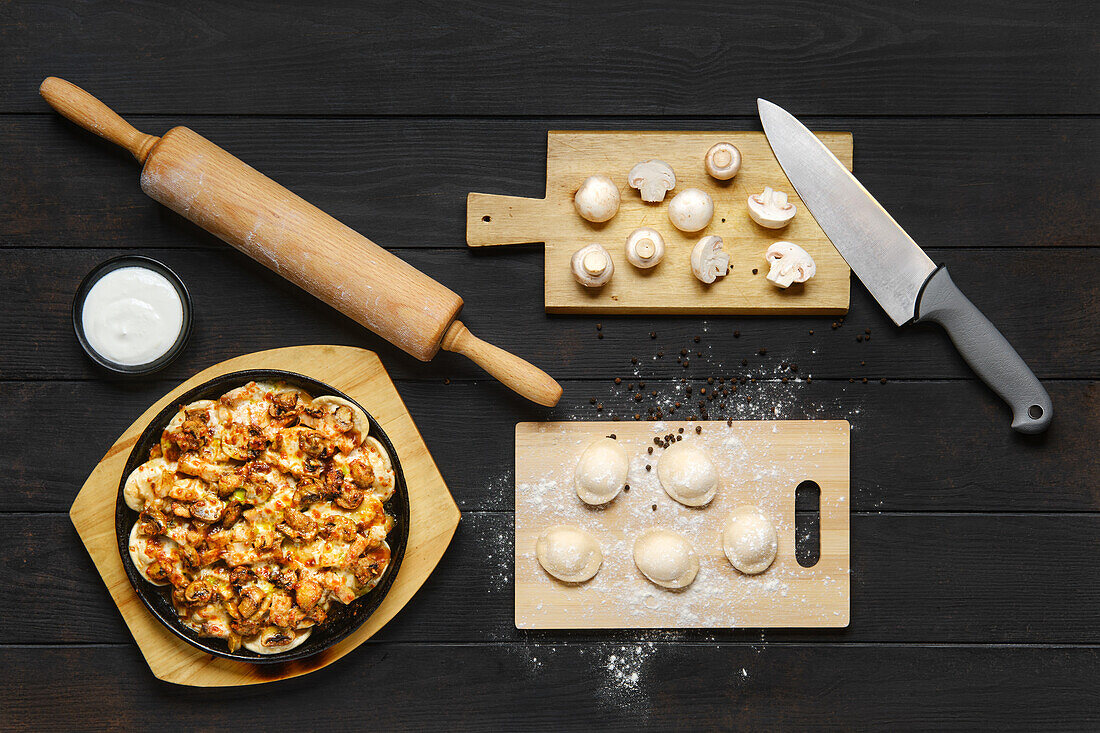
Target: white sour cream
column 132, row 316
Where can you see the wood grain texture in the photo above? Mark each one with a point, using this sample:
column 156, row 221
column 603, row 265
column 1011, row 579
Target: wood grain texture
column 954, row 182
column 670, row 287
column 344, row 57
column 568, row 687
column 779, row 455
column 433, row 519
column 1049, row 318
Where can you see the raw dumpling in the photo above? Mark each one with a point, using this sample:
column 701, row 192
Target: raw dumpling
column 749, row 539
column 569, row 553
column 666, row 558
column 601, row 472
column 687, row 474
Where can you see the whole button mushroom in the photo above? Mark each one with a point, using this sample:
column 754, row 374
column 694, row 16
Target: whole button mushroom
column 723, row 160
column 592, row 266
column 691, row 210
column 644, row 248
column 597, row 200
column 771, row 209
column 708, row 261
column 652, row 178
column 789, row 264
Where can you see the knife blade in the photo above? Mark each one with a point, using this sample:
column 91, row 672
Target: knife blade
column 895, row 270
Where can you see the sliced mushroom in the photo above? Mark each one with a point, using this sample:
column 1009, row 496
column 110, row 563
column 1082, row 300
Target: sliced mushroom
column 592, row 266
column 789, row 264
column 313, row 443
column 644, row 248
column 350, row 497
column 722, row 161
column 652, row 178
column 362, row 473
column 708, row 261
column 198, row 593
column 771, row 209
column 691, row 210
column 597, row 199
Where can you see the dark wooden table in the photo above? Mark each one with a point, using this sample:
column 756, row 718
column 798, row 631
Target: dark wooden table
column 975, row 589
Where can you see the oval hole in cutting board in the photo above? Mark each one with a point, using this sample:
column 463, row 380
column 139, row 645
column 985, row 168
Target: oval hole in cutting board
column 807, row 523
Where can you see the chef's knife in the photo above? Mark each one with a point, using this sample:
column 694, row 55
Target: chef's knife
column 900, row 276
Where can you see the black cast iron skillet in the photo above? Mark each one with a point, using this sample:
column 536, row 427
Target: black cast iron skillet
column 342, row 620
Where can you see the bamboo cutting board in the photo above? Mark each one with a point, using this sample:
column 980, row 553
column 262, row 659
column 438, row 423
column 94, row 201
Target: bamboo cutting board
column 670, row 287
column 434, row 516
column 759, row 462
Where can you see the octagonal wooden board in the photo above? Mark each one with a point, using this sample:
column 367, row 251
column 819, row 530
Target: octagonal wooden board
column 669, row 287
column 434, row 516
column 759, row 462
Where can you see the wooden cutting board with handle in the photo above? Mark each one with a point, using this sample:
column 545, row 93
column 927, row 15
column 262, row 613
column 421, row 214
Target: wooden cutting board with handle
column 670, row 287
column 759, row 462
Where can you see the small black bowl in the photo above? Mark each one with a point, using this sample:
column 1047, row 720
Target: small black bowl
column 342, row 620
column 116, row 263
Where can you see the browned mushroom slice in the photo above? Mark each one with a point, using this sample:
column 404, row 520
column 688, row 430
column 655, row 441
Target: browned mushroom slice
column 344, row 418
column 300, row 523
column 313, row 443
column 151, row 522
column 249, row 601
column 283, row 404
column 350, row 497
column 274, row 637
column 156, row 572
column 198, row 593
column 307, row 491
column 362, row 473
column 338, row 527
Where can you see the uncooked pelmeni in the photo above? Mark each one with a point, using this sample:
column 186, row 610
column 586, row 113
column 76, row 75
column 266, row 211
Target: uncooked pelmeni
column 601, row 472
column 687, row 474
column 749, row 539
column 666, row 558
column 568, row 553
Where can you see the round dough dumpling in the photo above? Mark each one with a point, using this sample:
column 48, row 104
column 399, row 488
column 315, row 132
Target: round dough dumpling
column 601, row 472
column 666, row 558
column 749, row 539
column 568, row 553
column 687, row 474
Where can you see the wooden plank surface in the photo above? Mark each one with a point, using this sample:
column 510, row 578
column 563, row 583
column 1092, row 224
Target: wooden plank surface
column 977, row 130
column 670, row 287
column 484, row 58
column 578, row 687
column 758, row 462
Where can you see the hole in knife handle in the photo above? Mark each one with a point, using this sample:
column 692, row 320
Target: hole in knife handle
column 807, row 524
column 1035, row 412
column 486, row 218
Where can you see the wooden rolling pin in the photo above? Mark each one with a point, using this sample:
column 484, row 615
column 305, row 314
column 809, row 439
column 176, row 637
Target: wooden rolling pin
column 238, row 204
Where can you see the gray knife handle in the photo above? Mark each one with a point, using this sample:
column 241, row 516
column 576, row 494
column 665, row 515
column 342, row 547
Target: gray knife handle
column 986, row 351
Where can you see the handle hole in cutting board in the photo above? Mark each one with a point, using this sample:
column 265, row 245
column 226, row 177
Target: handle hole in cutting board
column 807, row 524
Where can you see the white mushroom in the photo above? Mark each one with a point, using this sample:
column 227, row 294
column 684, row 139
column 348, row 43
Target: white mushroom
column 723, row 161
column 644, row 248
column 652, row 178
column 708, row 261
column 597, row 199
column 789, row 264
column 691, row 210
column 771, row 209
column 592, row 266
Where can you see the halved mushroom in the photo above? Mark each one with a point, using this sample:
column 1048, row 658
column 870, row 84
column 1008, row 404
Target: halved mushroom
column 597, row 199
column 722, row 161
column 789, row 264
column 592, row 266
column 691, row 210
column 708, row 261
column 652, row 178
column 771, row 209
column 644, row 248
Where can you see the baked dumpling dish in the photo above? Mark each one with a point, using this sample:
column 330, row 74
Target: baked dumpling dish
column 260, row 508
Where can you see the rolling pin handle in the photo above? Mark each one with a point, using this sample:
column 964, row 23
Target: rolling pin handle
column 513, row 372
column 76, row 105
